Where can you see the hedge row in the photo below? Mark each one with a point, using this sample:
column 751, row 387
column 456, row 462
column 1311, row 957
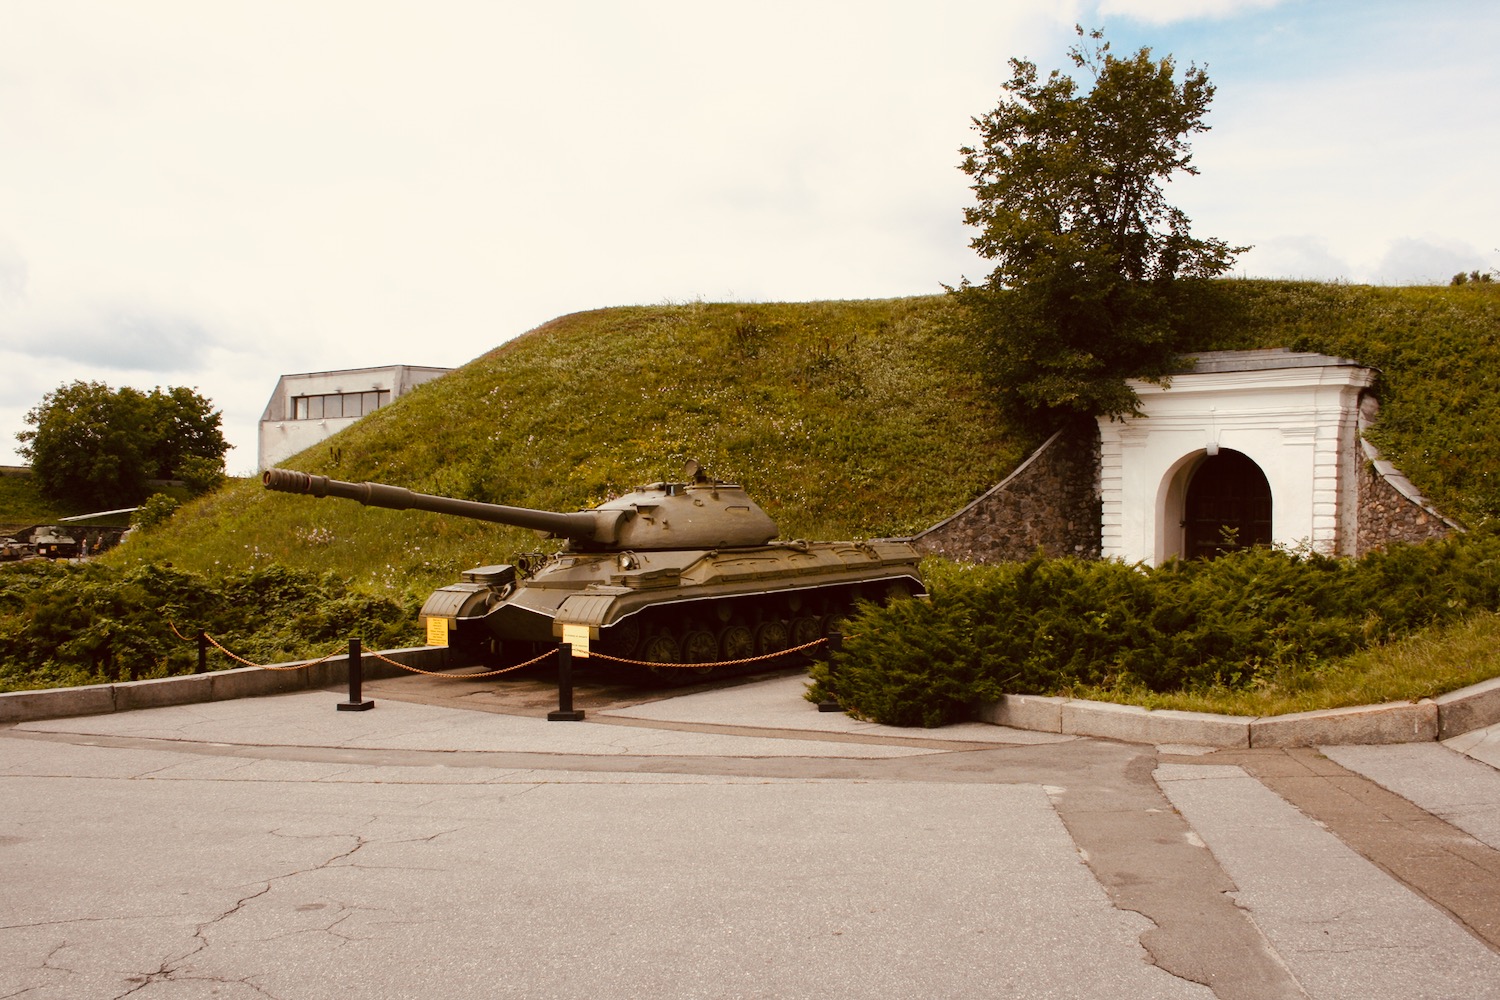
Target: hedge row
column 72, row 624
column 1047, row 625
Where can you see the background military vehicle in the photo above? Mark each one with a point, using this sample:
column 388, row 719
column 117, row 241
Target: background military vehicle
column 48, row 541
column 673, row 572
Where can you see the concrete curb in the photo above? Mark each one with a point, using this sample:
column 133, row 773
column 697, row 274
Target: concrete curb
column 216, row 685
column 1439, row 718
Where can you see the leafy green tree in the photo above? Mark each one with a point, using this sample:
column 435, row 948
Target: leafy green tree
column 95, row 445
column 1095, row 274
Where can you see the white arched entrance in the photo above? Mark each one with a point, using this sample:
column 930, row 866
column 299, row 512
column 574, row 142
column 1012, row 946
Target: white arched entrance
column 1265, row 442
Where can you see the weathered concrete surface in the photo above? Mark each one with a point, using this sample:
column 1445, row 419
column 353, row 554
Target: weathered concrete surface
column 1395, row 722
column 1441, row 718
column 1138, row 725
column 1342, row 925
column 1472, row 708
column 714, row 845
column 216, row 685
column 1024, row 711
column 17, row 706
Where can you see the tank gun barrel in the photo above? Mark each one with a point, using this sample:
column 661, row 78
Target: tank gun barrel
column 588, row 526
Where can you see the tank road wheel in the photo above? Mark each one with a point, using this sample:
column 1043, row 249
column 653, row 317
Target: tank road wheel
column 736, row 642
column 620, row 639
column 805, row 629
column 663, row 648
column 771, row 637
column 700, row 646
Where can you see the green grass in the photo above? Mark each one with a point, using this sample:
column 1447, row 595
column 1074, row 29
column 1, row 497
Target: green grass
column 1425, row 665
column 22, row 505
column 1438, row 353
column 844, row 419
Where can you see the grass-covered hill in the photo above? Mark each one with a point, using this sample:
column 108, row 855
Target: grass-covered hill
column 844, row 419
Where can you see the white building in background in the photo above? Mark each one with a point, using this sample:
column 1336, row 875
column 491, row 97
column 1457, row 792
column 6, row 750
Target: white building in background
column 305, row 409
column 1264, row 441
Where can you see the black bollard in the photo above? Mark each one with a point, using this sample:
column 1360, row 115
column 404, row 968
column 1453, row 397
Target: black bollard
column 202, row 652
column 356, row 681
column 565, row 712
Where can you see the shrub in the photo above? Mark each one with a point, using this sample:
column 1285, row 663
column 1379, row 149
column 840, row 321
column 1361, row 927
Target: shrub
column 85, row 624
column 1249, row 619
column 156, row 511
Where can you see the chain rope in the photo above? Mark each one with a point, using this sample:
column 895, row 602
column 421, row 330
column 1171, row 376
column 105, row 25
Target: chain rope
column 267, row 666
column 251, row 663
column 465, row 677
column 650, row 664
column 657, row 664
column 173, row 627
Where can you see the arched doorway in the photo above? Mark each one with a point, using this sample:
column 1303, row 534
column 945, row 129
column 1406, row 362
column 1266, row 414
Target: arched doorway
column 1227, row 506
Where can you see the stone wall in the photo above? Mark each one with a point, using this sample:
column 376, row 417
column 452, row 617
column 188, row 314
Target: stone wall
column 1050, row 503
column 1391, row 509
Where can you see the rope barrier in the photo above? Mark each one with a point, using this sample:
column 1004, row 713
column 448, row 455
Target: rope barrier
column 465, row 677
column 251, row 663
column 268, row 666
column 371, row 653
column 650, row 664
column 656, row 664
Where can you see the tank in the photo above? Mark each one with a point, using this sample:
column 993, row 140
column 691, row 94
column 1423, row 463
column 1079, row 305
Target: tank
column 51, row 542
column 679, row 572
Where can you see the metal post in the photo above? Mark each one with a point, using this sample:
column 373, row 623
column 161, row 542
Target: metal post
column 565, row 712
column 835, row 644
column 202, row 652
column 356, row 681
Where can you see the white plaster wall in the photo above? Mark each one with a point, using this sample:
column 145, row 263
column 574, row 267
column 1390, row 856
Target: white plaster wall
column 281, row 439
column 1298, row 424
column 284, row 438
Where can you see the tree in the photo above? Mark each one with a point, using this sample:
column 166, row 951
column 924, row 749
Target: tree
column 95, row 445
column 1094, row 271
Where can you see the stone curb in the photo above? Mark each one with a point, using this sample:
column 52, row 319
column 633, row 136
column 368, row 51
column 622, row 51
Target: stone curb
column 1441, row 718
column 216, row 685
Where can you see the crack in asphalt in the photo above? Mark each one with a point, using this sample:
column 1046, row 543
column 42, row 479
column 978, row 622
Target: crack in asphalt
column 171, row 970
column 1140, row 849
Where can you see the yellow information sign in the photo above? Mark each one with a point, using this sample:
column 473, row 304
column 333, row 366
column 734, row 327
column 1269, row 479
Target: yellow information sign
column 577, row 636
column 437, row 631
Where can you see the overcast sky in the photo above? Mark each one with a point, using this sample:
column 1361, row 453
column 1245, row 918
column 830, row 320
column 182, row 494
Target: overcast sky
column 212, row 193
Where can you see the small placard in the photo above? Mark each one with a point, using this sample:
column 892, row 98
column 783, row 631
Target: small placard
column 577, row 636
column 437, row 631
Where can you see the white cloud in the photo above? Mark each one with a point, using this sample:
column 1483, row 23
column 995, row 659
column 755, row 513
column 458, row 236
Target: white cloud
column 213, row 194
column 1301, row 257
column 1434, row 261
column 121, row 338
column 1169, row 11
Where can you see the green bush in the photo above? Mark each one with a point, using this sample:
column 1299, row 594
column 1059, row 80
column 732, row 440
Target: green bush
column 1248, row 619
column 68, row 624
column 157, row 510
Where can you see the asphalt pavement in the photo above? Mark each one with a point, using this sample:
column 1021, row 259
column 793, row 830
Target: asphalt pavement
column 725, row 843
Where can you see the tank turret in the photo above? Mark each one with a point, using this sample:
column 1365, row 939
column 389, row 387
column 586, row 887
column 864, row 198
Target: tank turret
column 684, row 572
column 700, row 514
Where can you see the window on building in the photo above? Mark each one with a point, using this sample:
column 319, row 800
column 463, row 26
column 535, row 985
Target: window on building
column 339, row 404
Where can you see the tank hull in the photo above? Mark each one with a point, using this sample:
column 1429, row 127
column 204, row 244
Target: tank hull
column 685, row 606
column 670, row 573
